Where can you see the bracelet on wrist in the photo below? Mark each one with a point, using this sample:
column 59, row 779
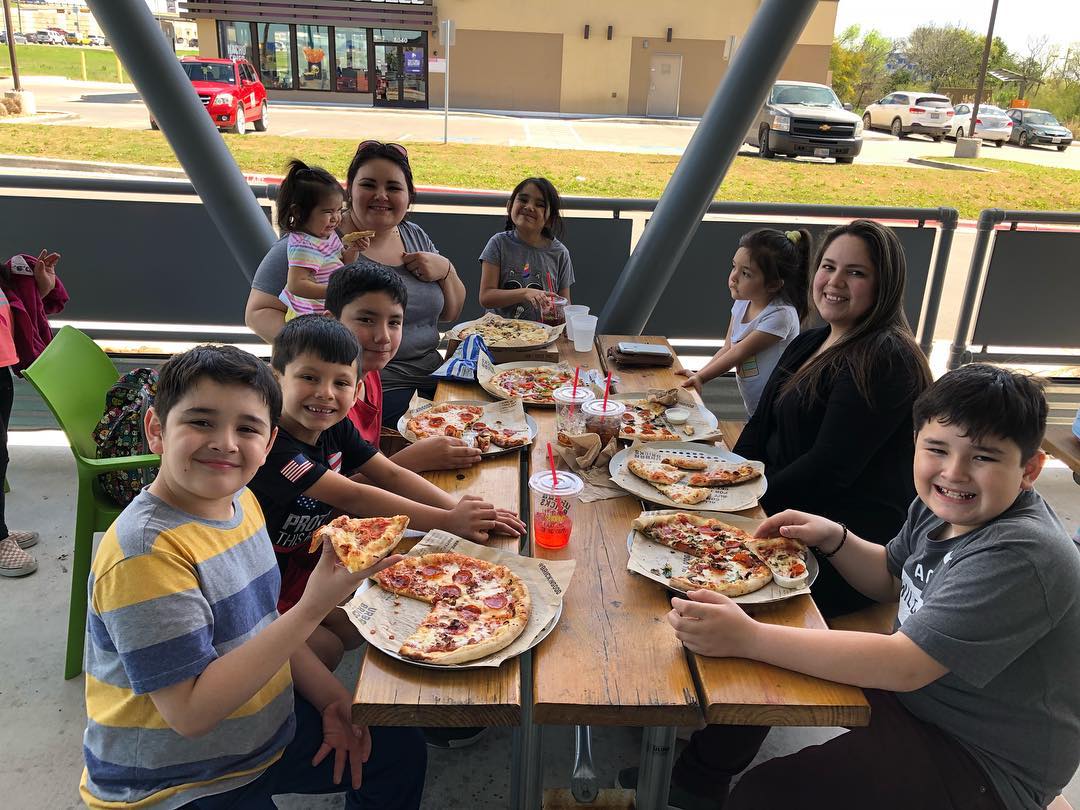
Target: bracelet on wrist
column 843, row 539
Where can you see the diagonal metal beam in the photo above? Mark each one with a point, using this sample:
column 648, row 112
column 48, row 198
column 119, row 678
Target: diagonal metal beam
column 149, row 59
column 755, row 66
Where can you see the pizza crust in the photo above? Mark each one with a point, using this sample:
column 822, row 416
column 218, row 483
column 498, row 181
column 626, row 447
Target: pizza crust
column 685, row 463
column 655, row 472
column 681, row 493
column 349, row 537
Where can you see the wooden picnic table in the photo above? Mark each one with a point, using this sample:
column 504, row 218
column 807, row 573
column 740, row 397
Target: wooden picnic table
column 1061, row 443
column 390, row 692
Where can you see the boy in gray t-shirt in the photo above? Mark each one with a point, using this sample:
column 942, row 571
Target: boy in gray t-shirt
column 979, row 705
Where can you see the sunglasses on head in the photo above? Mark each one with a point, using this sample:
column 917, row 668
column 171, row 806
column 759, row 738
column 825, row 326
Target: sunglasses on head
column 397, row 147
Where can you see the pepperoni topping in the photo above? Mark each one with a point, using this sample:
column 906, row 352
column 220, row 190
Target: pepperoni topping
column 436, row 421
column 628, row 429
column 398, row 580
column 479, row 426
column 628, row 417
column 473, row 609
column 449, row 592
column 463, row 577
column 496, row 601
column 798, row 569
column 431, row 570
column 457, row 627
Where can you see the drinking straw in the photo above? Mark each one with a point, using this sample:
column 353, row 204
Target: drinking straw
column 554, row 476
column 551, row 282
column 607, row 388
column 577, row 371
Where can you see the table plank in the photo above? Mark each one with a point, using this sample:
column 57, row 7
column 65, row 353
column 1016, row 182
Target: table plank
column 391, row 692
column 612, row 659
column 1062, row 444
column 737, row 691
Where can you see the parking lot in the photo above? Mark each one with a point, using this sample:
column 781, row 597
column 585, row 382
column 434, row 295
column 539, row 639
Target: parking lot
column 119, row 106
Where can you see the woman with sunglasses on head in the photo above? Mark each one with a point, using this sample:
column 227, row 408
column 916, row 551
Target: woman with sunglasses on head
column 525, row 265
column 378, row 194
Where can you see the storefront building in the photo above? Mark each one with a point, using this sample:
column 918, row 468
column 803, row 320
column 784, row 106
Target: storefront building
column 614, row 57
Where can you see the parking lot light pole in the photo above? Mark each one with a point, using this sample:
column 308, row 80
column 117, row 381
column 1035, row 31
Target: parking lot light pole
column 153, row 67
column 11, row 45
column 982, row 69
column 769, row 39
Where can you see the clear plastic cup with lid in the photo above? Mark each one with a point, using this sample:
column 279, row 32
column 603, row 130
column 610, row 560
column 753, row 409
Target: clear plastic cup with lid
column 569, row 417
column 604, row 418
column 552, row 310
column 553, row 496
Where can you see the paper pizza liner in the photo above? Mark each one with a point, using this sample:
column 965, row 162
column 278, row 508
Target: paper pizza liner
column 553, row 333
column 702, row 420
column 385, row 620
column 508, row 413
column 485, row 371
column 653, row 560
column 721, row 499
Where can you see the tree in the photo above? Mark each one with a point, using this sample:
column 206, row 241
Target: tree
column 858, row 63
column 873, row 52
column 948, row 56
column 1035, row 65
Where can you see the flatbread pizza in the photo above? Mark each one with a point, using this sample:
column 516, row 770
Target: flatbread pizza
column 350, row 239
column 477, row 607
column 507, row 332
column 534, row 385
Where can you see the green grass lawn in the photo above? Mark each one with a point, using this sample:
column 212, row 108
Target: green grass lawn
column 600, row 174
column 58, row 60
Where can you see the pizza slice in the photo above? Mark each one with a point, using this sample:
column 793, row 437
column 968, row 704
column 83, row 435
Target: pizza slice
column 685, row 463
column 724, row 476
column 785, row 557
column 655, row 472
column 361, row 542
column 683, row 494
column 724, row 575
column 350, row 239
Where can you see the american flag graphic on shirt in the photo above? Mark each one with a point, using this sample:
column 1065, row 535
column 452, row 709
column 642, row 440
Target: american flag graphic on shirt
column 297, row 466
column 334, row 462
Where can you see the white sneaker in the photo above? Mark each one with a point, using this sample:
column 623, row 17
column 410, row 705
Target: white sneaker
column 14, row 562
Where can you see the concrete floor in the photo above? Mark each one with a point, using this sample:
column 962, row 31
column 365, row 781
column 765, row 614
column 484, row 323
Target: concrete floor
column 43, row 715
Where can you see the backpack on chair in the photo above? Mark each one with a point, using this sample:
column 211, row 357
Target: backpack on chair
column 119, row 432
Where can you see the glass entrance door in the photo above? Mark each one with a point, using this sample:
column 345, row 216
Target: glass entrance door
column 400, row 76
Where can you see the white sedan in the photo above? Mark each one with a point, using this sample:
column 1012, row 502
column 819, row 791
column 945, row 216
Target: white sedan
column 993, row 123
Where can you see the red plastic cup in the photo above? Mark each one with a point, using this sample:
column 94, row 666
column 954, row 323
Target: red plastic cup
column 552, row 521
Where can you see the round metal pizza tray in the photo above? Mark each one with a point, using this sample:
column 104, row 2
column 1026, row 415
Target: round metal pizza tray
column 709, row 417
column 544, row 633
column 455, row 334
column 534, row 429
column 812, row 569
column 645, row 491
column 498, row 394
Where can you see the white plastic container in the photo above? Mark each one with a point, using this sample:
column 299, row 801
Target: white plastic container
column 569, row 416
column 570, row 310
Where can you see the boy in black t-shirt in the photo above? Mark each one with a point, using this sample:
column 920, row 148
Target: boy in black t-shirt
column 306, row 475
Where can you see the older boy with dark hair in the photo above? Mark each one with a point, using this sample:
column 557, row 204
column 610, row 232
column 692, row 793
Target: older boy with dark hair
column 974, row 699
column 371, row 302
column 198, row 694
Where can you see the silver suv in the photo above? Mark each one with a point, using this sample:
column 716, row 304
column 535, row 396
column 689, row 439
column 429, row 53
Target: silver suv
column 803, row 118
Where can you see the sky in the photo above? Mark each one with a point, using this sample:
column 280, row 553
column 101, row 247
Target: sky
column 1017, row 20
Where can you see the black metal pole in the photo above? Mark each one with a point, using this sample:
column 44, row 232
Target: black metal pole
column 11, row 45
column 136, row 37
column 770, row 38
column 982, row 70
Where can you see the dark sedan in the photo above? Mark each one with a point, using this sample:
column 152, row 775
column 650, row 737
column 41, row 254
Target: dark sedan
column 1031, row 127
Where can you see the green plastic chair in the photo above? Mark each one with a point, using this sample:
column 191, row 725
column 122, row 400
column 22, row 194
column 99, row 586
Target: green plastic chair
column 73, row 375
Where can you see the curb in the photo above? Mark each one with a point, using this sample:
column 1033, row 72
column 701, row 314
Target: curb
column 39, row 118
column 934, row 164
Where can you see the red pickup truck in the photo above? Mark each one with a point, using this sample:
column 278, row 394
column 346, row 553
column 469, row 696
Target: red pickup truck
column 229, row 89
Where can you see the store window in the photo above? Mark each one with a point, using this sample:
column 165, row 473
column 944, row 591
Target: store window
column 275, row 66
column 351, row 54
column 236, row 41
column 313, row 56
column 397, row 36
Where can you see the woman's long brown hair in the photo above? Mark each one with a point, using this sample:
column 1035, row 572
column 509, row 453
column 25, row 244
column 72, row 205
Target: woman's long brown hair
column 883, row 331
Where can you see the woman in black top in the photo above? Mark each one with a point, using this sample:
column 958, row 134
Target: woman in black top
column 834, row 422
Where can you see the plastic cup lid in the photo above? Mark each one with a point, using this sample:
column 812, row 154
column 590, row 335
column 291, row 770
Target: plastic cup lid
column 568, row 484
column 566, row 394
column 596, row 407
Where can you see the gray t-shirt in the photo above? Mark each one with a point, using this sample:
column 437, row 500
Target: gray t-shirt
column 752, row 373
column 1000, row 607
column 418, row 355
column 522, row 265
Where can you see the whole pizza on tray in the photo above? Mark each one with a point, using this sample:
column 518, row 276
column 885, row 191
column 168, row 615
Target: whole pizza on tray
column 477, row 607
column 724, row 558
column 498, row 331
column 533, row 384
column 455, row 419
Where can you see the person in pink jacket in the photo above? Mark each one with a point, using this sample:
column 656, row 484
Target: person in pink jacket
column 24, row 300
